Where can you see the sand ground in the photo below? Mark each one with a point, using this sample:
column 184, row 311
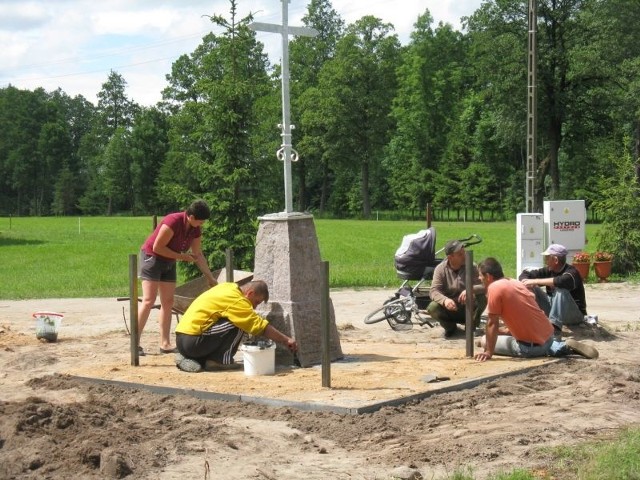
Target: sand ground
column 56, row 426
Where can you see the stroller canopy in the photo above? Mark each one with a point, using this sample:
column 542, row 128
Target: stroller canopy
column 417, row 254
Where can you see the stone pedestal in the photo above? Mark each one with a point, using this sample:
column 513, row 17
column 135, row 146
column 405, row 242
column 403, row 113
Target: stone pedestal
column 288, row 259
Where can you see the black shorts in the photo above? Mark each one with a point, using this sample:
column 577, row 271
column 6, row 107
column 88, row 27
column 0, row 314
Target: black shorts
column 219, row 343
column 156, row 269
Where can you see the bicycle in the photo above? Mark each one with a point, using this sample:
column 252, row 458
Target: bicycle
column 415, row 261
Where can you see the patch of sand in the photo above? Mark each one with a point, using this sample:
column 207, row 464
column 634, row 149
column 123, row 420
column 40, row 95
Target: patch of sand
column 54, row 426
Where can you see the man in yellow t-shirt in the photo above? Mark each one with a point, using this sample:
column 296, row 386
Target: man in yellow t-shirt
column 214, row 324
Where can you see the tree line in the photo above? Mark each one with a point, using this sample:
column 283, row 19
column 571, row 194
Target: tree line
column 379, row 126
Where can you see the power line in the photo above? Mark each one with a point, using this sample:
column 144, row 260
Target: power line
column 89, row 72
column 109, row 53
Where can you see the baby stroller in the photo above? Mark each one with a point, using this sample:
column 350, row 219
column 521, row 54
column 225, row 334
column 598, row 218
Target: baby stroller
column 415, row 261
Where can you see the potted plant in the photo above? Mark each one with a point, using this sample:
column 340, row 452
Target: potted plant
column 602, row 257
column 602, row 265
column 582, row 261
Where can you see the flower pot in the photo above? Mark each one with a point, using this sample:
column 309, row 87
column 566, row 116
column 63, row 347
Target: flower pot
column 583, row 269
column 603, row 270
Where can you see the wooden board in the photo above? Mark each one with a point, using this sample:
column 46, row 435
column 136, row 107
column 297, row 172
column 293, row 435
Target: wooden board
column 187, row 292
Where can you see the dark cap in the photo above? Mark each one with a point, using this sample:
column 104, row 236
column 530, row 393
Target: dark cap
column 453, row 246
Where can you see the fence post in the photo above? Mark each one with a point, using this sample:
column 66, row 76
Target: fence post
column 133, row 308
column 229, row 264
column 470, row 304
column 326, row 328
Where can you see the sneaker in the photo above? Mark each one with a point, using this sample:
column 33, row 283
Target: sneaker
column 141, row 352
column 212, row 366
column 179, row 358
column 188, row 364
column 448, row 334
column 591, row 319
column 587, row 351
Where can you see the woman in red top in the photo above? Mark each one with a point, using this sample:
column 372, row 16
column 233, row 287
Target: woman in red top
column 177, row 237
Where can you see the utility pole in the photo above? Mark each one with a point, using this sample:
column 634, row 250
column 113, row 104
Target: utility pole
column 532, row 110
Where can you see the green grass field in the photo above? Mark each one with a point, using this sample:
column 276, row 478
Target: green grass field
column 65, row 257
column 360, row 253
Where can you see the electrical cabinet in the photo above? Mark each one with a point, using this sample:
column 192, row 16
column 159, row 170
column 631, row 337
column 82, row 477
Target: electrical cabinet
column 529, row 241
column 565, row 223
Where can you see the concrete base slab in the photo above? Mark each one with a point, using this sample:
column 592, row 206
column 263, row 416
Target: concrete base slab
column 371, row 376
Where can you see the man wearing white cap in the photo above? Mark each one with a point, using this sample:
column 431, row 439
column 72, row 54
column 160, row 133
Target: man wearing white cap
column 564, row 301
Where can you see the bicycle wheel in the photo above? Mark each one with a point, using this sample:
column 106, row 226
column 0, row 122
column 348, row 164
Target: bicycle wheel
column 390, row 309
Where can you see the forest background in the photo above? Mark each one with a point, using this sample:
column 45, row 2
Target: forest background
column 380, row 127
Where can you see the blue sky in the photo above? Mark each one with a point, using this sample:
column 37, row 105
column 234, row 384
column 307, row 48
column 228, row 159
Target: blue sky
column 73, row 44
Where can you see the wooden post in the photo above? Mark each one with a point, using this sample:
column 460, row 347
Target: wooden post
column 428, row 215
column 229, row 264
column 133, row 308
column 155, row 223
column 469, row 322
column 326, row 327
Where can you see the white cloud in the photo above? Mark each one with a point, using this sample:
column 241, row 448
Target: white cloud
column 21, row 16
column 73, row 44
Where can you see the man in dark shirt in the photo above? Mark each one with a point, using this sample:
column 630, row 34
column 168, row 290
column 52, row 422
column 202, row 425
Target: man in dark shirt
column 564, row 300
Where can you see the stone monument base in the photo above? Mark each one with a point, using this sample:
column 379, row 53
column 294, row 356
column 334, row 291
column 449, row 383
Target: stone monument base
column 288, row 259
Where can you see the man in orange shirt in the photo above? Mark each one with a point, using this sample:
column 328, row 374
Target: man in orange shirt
column 528, row 332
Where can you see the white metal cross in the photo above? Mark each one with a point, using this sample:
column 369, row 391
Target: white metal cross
column 286, row 152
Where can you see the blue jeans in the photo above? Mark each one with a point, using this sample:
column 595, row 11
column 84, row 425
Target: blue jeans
column 508, row 346
column 560, row 307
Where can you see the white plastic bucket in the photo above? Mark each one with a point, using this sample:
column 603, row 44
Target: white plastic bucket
column 259, row 358
column 47, row 324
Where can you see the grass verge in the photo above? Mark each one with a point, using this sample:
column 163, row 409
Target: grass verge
column 66, row 257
